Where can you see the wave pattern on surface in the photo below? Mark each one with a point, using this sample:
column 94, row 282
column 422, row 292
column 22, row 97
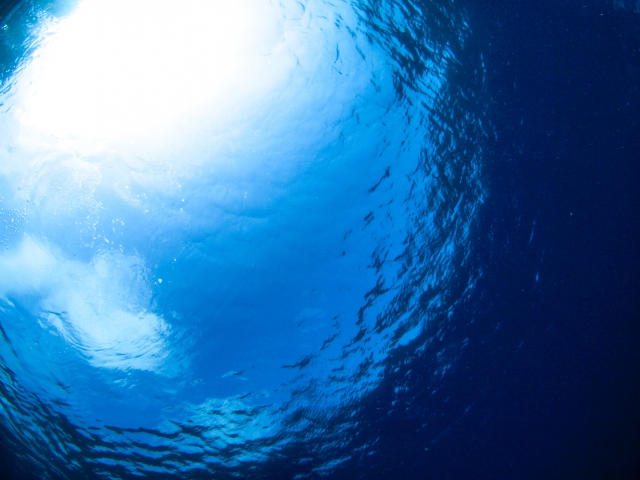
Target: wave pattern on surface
column 225, row 301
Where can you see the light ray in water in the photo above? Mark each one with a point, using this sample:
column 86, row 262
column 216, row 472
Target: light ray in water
column 226, row 219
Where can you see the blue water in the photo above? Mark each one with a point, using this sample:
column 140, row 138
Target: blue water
column 352, row 239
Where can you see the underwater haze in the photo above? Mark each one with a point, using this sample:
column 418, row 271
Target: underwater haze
column 309, row 239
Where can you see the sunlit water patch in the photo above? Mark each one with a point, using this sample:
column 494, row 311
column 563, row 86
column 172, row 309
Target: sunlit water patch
column 221, row 218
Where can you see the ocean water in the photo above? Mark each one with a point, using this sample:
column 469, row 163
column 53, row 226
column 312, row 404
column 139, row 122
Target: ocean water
column 309, row 239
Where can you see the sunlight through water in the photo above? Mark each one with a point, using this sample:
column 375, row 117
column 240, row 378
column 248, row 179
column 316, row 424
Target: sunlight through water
column 223, row 221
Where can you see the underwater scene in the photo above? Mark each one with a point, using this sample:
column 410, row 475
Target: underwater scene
column 319, row 239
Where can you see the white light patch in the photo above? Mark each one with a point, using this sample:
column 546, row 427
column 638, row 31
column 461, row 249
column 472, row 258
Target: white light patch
column 100, row 308
column 123, row 68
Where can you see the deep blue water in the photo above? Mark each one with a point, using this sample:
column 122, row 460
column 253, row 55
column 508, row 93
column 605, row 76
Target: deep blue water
column 379, row 240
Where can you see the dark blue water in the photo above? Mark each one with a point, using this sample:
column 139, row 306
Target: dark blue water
column 354, row 240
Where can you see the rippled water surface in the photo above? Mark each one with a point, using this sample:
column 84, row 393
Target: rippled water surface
column 225, row 224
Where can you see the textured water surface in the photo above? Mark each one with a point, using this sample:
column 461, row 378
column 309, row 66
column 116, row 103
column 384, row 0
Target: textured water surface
column 225, row 223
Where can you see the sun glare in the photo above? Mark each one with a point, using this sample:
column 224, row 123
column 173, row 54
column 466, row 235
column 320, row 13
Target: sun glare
column 117, row 69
